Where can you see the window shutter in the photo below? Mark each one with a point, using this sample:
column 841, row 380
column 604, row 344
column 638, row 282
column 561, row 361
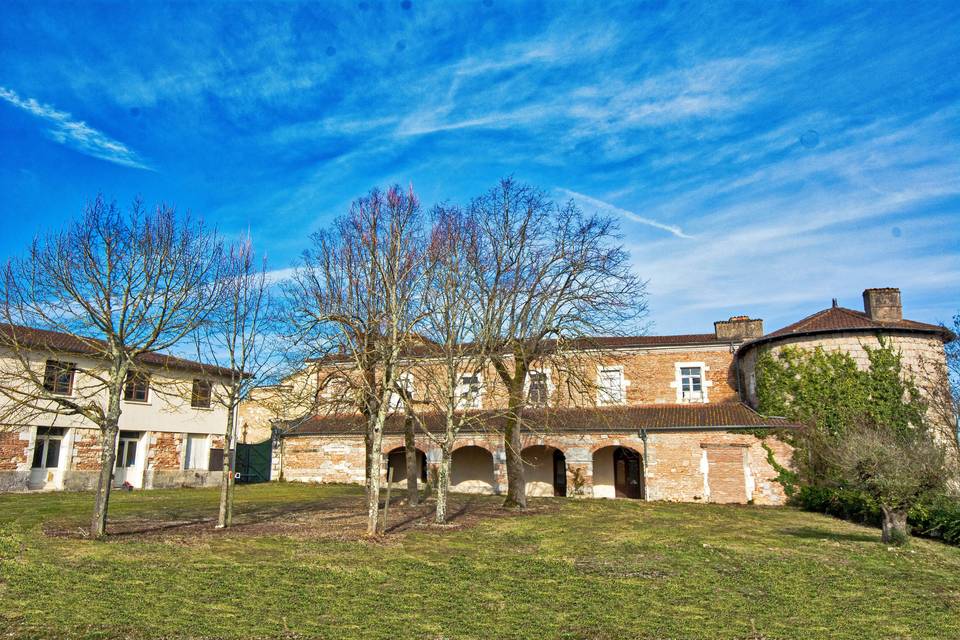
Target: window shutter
column 216, row 460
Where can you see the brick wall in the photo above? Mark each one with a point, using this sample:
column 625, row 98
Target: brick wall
column 652, row 375
column 13, row 450
column 165, row 450
column 86, row 450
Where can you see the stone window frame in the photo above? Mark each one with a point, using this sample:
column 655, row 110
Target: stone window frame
column 550, row 386
column 624, row 383
column 705, row 382
column 478, row 399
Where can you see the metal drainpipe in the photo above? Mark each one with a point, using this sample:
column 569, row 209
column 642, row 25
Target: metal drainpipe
column 643, row 436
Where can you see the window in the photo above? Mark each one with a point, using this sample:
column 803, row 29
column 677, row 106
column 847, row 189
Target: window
column 137, row 388
column 691, row 384
column 405, row 383
column 468, row 392
column 611, row 386
column 58, row 377
column 333, row 388
column 216, row 459
column 127, row 449
column 201, row 394
column 538, row 390
column 195, row 451
column 46, row 450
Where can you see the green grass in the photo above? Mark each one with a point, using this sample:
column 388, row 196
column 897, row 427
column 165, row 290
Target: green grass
column 585, row 569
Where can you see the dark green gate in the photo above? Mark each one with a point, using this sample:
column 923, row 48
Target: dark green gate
column 253, row 462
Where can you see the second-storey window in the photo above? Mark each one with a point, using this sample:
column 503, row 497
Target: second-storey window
column 538, row 391
column 201, row 394
column 610, row 384
column 58, row 377
column 691, row 384
column 468, row 392
column 137, row 388
column 405, row 387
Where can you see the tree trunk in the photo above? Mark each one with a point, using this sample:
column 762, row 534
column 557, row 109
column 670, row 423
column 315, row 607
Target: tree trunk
column 443, row 482
column 516, row 481
column 373, row 479
column 895, row 529
column 413, row 469
column 225, row 516
column 108, row 458
column 366, row 461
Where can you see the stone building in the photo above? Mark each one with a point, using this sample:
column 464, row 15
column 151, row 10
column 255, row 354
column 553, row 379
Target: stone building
column 673, row 418
column 171, row 427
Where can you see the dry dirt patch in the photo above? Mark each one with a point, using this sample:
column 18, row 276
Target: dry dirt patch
column 334, row 518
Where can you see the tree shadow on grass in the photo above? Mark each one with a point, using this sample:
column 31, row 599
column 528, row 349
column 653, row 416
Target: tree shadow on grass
column 814, row 533
column 341, row 517
column 424, row 514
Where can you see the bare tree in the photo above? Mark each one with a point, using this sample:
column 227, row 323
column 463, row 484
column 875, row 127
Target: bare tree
column 547, row 276
column 121, row 287
column 238, row 337
column 939, row 379
column 353, row 301
column 451, row 349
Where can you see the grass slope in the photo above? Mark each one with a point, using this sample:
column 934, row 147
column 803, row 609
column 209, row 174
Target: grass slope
column 576, row 569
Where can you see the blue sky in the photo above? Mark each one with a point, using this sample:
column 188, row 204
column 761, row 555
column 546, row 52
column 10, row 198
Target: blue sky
column 762, row 157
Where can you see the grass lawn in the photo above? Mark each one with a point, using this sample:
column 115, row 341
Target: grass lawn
column 572, row 569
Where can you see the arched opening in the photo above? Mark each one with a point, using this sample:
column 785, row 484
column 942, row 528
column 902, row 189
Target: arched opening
column 546, row 471
column 618, row 473
column 397, row 460
column 471, row 470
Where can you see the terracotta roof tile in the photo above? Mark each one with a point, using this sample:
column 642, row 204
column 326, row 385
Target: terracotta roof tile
column 655, row 417
column 426, row 349
column 843, row 319
column 71, row 344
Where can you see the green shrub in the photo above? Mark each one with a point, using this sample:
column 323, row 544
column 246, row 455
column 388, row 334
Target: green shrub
column 937, row 517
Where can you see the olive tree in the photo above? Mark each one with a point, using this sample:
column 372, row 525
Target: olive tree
column 897, row 468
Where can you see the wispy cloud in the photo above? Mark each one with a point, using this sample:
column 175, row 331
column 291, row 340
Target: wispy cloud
column 694, row 120
column 76, row 134
column 609, row 208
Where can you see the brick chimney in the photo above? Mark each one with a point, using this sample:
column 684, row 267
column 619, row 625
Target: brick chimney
column 738, row 328
column 883, row 304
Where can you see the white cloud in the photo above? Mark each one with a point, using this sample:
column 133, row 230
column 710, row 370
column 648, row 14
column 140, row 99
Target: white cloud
column 604, row 206
column 76, row 134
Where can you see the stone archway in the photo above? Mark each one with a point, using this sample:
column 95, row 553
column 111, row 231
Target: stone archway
column 618, row 473
column 471, row 470
column 545, row 470
column 397, row 460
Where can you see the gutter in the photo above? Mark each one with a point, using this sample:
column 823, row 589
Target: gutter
column 606, row 430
